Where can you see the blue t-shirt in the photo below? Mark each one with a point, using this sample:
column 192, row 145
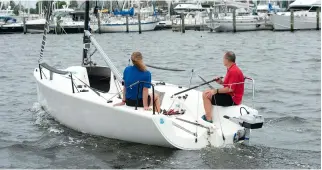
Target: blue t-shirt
column 131, row 75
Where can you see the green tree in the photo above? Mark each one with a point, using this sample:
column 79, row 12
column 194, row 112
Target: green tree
column 12, row 4
column 44, row 5
column 73, row 4
column 32, row 11
column 60, row 4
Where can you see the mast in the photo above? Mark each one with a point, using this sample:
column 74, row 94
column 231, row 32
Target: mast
column 111, row 7
column 85, row 38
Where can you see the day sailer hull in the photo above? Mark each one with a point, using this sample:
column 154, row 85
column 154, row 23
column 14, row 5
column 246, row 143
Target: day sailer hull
column 89, row 113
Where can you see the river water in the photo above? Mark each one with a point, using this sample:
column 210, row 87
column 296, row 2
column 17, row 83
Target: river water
column 285, row 65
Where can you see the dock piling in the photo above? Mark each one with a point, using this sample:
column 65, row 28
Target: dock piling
column 24, row 25
column 292, row 20
column 182, row 23
column 210, row 19
column 127, row 23
column 234, row 20
column 139, row 19
column 99, row 22
column 318, row 19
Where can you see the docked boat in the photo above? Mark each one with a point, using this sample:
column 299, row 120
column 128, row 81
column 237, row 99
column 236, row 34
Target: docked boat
column 35, row 25
column 83, row 97
column 8, row 22
column 305, row 16
column 187, row 7
column 117, row 22
column 10, row 25
column 67, row 20
column 245, row 21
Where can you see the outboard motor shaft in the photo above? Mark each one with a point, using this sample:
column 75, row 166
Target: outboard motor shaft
column 248, row 121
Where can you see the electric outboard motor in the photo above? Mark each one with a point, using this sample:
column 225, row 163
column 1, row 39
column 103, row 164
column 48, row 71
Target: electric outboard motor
column 248, row 121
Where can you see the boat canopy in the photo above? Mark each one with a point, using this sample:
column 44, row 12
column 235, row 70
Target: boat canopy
column 8, row 18
column 129, row 12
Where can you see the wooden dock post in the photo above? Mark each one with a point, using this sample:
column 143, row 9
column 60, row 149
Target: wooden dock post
column 58, row 27
column 99, row 22
column 127, row 23
column 234, row 20
column 139, row 19
column 24, row 25
column 182, row 23
column 318, row 19
column 292, row 20
column 210, row 19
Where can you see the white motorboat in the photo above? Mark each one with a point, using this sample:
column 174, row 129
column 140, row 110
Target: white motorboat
column 36, row 25
column 187, row 7
column 9, row 24
column 82, row 98
column 305, row 16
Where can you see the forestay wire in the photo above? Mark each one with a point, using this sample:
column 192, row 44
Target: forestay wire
column 46, row 30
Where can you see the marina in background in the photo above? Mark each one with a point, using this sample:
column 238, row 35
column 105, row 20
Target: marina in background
column 138, row 16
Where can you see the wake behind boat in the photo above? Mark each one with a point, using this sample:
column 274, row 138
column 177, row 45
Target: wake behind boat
column 83, row 98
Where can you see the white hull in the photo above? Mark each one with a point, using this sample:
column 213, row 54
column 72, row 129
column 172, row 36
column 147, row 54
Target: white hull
column 226, row 25
column 35, row 26
column 110, row 28
column 303, row 20
column 89, row 113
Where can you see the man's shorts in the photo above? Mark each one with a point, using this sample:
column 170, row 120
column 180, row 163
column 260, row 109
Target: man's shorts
column 221, row 99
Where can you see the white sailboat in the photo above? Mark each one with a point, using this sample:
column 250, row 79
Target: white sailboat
column 245, row 21
column 82, row 98
column 305, row 16
column 117, row 22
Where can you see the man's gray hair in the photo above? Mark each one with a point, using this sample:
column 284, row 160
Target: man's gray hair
column 230, row 56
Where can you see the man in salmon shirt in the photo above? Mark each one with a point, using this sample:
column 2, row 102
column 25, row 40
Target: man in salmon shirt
column 232, row 92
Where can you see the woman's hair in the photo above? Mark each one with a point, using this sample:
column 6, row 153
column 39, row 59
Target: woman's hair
column 137, row 60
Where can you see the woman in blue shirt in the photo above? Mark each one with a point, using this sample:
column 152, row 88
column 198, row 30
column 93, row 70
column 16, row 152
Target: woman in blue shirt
column 133, row 74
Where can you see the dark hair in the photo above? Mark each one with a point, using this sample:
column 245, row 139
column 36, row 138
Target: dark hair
column 230, row 56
